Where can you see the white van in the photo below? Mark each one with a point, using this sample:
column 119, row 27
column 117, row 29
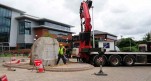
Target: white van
column 75, row 52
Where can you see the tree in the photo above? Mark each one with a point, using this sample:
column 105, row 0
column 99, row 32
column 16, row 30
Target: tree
column 47, row 34
column 147, row 37
column 127, row 44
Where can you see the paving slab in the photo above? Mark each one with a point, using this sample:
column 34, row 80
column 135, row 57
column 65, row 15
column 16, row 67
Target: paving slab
column 121, row 73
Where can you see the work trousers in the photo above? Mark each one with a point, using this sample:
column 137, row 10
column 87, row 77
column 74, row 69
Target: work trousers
column 78, row 59
column 62, row 57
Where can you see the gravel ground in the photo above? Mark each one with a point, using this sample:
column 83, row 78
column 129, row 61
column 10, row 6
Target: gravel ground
column 135, row 73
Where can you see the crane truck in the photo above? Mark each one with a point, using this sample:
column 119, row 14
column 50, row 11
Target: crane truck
column 116, row 58
column 97, row 56
column 85, row 48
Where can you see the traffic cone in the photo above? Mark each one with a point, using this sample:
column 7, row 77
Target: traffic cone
column 3, row 78
column 18, row 62
column 40, row 69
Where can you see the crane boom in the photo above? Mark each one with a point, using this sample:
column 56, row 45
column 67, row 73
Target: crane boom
column 84, row 13
column 85, row 48
column 85, row 33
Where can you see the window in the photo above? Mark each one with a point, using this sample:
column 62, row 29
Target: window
column 5, row 24
column 25, row 27
column 28, row 28
column 21, row 27
column 57, row 26
column 41, row 23
column 58, row 32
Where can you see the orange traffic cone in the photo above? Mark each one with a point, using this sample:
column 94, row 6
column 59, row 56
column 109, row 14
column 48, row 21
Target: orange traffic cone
column 40, row 69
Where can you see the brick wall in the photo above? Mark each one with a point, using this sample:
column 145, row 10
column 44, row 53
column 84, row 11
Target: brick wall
column 40, row 32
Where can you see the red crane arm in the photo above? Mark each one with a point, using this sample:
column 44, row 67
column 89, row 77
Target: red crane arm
column 85, row 47
column 85, row 43
column 84, row 13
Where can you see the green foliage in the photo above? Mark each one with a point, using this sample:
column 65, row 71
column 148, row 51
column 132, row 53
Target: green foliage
column 2, row 55
column 127, row 44
column 6, row 55
column 48, row 35
column 141, row 42
column 147, row 37
column 128, row 49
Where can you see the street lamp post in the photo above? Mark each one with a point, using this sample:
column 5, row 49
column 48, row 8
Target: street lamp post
column 93, row 28
column 131, row 43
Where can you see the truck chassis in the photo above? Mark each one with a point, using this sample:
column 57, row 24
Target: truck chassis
column 121, row 58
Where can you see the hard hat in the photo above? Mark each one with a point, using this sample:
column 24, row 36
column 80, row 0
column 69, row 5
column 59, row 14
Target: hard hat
column 60, row 44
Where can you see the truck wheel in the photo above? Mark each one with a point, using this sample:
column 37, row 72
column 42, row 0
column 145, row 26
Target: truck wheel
column 97, row 60
column 129, row 60
column 115, row 60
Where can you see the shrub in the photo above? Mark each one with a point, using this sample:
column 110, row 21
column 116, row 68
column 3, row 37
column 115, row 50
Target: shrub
column 128, row 49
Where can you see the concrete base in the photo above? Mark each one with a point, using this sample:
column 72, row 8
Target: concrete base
column 69, row 67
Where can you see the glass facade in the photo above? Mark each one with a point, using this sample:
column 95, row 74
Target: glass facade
column 57, row 32
column 5, row 24
column 25, row 45
column 25, row 27
column 56, row 26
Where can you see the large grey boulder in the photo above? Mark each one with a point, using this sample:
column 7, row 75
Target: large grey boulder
column 45, row 48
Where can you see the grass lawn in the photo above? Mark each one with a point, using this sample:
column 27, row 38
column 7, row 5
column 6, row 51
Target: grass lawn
column 11, row 55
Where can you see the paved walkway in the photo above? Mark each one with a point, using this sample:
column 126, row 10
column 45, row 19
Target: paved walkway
column 134, row 73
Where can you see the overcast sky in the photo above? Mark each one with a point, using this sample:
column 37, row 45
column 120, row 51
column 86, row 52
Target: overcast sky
column 127, row 18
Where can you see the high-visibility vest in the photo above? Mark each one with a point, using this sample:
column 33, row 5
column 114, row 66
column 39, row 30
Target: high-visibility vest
column 61, row 50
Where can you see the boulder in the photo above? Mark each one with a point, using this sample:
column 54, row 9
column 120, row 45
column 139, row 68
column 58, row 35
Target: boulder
column 45, row 48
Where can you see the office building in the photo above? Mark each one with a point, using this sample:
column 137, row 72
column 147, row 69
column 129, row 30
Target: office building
column 17, row 29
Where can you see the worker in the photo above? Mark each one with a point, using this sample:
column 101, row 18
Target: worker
column 78, row 58
column 61, row 54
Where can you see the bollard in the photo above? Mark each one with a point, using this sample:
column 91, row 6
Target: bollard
column 101, row 71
